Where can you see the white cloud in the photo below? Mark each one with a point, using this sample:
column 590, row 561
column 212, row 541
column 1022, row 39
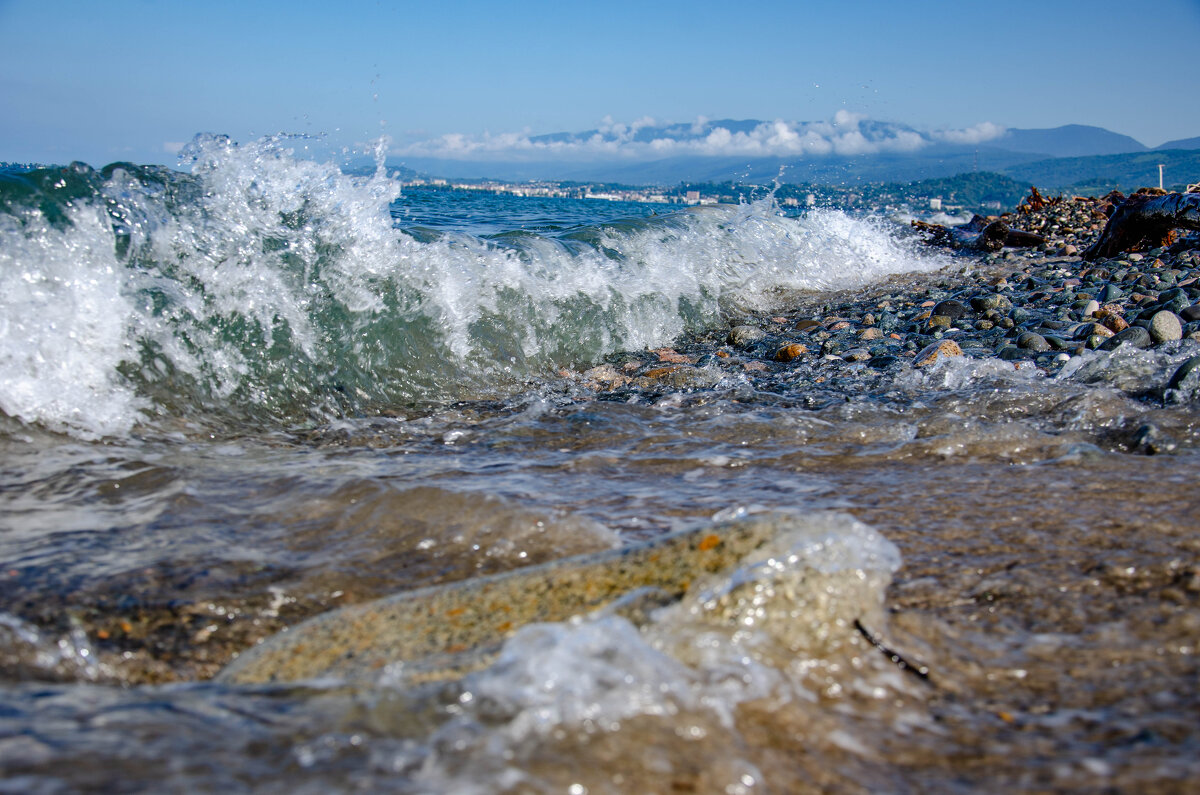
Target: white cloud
column 847, row 134
column 984, row 131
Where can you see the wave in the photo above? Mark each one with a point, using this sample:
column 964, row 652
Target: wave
column 263, row 287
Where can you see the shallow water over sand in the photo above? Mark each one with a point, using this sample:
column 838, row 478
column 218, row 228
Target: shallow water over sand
column 1049, row 585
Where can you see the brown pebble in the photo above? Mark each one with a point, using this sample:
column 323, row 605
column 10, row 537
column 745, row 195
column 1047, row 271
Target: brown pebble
column 841, row 325
column 605, row 377
column 673, row 357
column 871, row 333
column 1088, row 329
column 789, row 352
column 807, row 324
column 1115, row 322
column 931, row 353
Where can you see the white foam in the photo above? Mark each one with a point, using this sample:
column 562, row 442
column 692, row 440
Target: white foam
column 276, row 283
column 63, row 325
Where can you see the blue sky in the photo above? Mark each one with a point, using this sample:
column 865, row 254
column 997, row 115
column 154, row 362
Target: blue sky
column 132, row 79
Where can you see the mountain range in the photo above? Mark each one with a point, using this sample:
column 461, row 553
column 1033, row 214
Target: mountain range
column 846, row 150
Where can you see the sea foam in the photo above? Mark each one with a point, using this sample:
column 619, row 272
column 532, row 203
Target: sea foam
column 269, row 288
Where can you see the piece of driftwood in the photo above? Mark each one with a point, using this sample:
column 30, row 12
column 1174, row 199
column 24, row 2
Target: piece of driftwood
column 1146, row 221
column 980, row 234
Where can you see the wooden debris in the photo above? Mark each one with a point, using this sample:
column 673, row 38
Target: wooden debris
column 1145, row 220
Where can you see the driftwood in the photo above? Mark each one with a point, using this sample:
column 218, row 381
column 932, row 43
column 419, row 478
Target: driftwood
column 1146, row 221
column 980, row 234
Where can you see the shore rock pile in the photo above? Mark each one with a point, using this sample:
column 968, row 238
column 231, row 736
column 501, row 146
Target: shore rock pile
column 1036, row 306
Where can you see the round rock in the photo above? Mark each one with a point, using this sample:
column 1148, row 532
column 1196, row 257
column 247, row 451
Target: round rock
column 1032, row 341
column 1165, row 326
column 1183, row 371
column 1136, row 336
column 949, row 308
column 938, row 350
column 745, row 336
column 789, row 352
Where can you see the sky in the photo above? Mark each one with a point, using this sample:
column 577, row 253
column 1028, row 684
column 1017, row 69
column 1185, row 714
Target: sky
column 136, row 79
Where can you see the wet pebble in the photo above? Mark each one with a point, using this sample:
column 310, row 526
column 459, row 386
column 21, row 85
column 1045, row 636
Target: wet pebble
column 1183, row 371
column 1033, row 341
column 950, row 309
column 745, row 336
column 1136, row 336
column 935, row 351
column 790, row 352
column 1165, row 327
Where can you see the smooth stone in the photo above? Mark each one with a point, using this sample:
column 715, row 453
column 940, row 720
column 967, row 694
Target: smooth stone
column 1136, row 336
column 606, row 376
column 950, row 308
column 1191, row 314
column 856, row 355
column 982, row 303
column 1115, row 323
column 790, row 352
column 1032, row 341
column 870, row 333
column 807, row 324
column 1057, row 343
column 1165, row 327
column 443, row 632
column 745, row 336
column 937, row 351
column 1183, row 371
column 1111, row 293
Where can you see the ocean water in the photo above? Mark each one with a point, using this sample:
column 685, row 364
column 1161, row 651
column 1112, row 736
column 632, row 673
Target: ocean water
column 245, row 393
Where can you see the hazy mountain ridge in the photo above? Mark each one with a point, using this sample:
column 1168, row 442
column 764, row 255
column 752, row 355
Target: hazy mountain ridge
column 856, row 150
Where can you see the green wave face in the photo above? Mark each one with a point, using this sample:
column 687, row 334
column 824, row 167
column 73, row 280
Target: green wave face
column 267, row 289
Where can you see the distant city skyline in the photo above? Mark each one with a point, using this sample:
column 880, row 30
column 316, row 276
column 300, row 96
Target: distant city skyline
column 135, row 80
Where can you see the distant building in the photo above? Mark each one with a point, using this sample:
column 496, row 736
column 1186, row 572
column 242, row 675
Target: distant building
column 692, row 197
column 935, row 204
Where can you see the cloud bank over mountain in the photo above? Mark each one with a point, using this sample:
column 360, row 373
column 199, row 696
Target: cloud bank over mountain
column 846, row 149
column 846, row 135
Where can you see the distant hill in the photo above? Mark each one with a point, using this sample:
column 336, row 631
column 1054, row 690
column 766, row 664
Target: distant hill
column 1070, row 140
column 1126, row 171
column 1183, row 143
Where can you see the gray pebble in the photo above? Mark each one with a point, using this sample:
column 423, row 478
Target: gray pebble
column 1165, row 327
column 1032, row 341
column 950, row 308
column 1136, row 336
column 1183, row 371
column 745, row 336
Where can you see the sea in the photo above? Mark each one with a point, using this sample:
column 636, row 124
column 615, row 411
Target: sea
column 256, row 388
